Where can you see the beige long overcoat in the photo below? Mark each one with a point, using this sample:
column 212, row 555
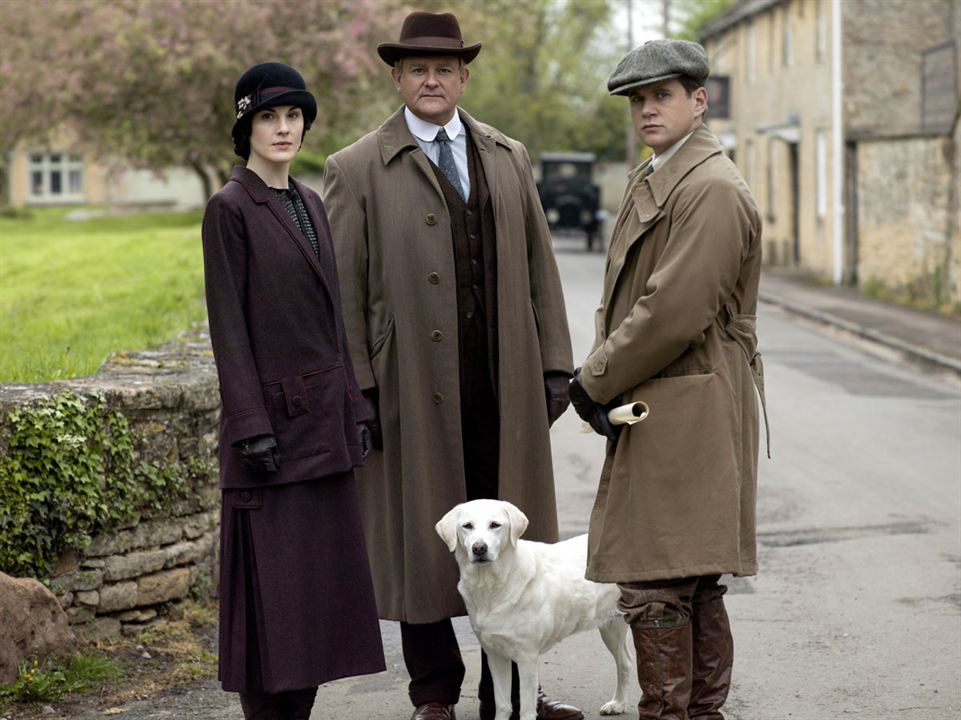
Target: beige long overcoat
column 392, row 238
column 676, row 329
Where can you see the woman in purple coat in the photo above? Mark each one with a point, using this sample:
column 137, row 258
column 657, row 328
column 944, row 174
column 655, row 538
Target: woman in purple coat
column 296, row 599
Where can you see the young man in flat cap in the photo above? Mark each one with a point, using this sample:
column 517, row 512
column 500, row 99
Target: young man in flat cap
column 676, row 328
column 458, row 333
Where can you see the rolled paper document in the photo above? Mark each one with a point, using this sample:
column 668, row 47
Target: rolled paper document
column 624, row 415
column 629, row 414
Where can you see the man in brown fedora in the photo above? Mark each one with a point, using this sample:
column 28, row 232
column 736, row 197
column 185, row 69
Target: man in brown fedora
column 458, row 333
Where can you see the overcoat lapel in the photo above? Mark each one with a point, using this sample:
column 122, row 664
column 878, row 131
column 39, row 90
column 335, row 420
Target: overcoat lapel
column 395, row 137
column 485, row 146
column 647, row 197
column 263, row 195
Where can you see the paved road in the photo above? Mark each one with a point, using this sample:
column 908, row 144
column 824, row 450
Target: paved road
column 856, row 611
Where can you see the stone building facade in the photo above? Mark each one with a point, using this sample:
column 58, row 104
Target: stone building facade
column 844, row 117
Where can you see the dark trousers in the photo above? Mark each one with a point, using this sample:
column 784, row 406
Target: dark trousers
column 431, row 652
column 436, row 669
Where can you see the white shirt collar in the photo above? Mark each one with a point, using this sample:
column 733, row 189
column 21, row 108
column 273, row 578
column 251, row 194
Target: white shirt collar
column 426, row 131
column 658, row 160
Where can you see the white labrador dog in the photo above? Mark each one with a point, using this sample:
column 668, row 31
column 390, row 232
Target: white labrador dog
column 524, row 597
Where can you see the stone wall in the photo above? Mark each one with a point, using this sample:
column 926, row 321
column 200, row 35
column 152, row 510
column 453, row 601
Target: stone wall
column 883, row 45
column 908, row 217
column 124, row 580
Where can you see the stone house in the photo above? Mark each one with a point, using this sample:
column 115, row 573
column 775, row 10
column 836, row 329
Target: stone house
column 53, row 172
column 844, row 117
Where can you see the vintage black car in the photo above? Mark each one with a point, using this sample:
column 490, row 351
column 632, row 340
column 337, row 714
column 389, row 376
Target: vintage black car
column 568, row 195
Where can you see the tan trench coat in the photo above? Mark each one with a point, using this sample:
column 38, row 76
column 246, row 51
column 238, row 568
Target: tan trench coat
column 392, row 238
column 676, row 329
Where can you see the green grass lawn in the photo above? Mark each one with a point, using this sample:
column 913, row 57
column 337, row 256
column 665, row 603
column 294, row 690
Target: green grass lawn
column 71, row 293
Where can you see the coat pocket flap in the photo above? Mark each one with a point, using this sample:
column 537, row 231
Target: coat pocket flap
column 295, row 395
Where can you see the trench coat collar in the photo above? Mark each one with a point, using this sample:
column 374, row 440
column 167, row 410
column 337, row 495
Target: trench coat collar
column 394, row 137
column 259, row 192
column 649, row 196
column 652, row 192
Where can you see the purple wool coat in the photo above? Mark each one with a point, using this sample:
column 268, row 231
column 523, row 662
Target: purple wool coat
column 297, row 603
column 278, row 336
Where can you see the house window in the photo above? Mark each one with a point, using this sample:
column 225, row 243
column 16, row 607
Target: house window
column 55, row 177
column 821, row 176
column 786, row 39
column 821, row 37
column 751, row 53
column 771, row 178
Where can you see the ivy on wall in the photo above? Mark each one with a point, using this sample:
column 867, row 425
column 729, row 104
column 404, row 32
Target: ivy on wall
column 71, row 470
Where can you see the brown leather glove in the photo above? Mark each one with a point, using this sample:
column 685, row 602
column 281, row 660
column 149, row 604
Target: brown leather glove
column 558, row 398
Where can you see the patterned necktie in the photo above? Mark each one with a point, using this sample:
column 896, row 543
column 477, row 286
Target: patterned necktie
column 646, row 171
column 446, row 162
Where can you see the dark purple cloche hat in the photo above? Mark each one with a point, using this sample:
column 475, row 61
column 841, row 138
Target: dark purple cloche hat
column 271, row 84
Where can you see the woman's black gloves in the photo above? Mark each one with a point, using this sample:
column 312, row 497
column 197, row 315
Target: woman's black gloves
column 260, row 453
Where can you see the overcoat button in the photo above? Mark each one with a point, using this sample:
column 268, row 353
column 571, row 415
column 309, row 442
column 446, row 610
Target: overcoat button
column 297, row 401
column 437, row 336
column 431, row 219
column 438, row 398
column 245, row 496
column 433, row 278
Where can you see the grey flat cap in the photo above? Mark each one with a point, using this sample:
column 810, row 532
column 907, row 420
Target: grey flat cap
column 658, row 60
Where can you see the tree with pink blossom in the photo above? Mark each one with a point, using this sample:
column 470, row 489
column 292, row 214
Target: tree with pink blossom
column 151, row 81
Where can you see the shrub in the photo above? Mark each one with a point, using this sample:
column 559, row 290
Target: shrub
column 72, row 469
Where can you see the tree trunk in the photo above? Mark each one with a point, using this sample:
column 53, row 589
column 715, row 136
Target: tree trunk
column 204, row 180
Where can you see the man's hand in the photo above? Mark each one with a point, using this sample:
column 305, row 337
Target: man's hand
column 591, row 412
column 261, row 453
column 558, row 398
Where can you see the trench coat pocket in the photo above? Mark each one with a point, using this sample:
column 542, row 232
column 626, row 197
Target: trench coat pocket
column 690, row 430
column 382, row 339
column 308, row 411
column 669, row 507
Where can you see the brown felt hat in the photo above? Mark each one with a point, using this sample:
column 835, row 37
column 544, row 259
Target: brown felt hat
column 427, row 33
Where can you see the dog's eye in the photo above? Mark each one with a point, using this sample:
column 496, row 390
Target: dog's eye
column 494, row 525
column 468, row 526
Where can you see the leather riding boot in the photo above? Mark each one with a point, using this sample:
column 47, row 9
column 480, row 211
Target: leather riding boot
column 664, row 666
column 713, row 660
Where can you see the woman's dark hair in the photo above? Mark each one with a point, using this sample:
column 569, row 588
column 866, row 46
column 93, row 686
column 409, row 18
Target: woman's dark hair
column 242, row 136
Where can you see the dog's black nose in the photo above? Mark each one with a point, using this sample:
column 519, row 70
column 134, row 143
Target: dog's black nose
column 479, row 548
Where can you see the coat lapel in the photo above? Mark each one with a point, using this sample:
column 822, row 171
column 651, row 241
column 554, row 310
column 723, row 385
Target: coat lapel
column 486, row 139
column 395, row 138
column 263, row 195
column 648, row 196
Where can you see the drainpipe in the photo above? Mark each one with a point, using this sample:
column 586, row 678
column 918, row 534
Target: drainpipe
column 837, row 135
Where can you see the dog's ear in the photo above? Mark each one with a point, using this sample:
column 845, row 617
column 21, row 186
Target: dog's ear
column 518, row 521
column 447, row 528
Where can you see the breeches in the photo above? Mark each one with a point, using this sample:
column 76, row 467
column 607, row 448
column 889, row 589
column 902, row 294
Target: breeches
column 664, row 603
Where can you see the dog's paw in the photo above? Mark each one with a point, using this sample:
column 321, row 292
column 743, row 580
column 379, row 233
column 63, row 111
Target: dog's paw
column 614, row 707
